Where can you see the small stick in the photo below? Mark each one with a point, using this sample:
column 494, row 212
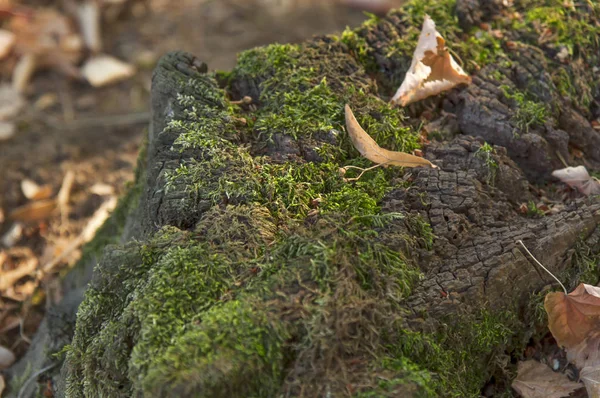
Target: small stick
column 363, row 171
column 544, row 268
column 33, row 377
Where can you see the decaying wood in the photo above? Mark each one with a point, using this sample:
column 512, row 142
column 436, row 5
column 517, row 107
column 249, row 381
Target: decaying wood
column 471, row 203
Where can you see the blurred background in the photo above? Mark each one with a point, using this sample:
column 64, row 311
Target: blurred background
column 74, row 92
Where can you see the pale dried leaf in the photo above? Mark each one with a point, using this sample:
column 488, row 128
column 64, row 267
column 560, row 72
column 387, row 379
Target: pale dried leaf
column 33, row 191
column 7, row 358
column 12, row 236
column 88, row 16
column 7, row 41
column 591, row 378
column 11, row 102
column 102, row 189
column 103, row 70
column 7, row 130
column 572, row 317
column 586, row 353
column 26, row 267
column 2, row 385
column 432, row 70
column 578, row 178
column 536, row 380
column 34, row 211
column 370, row 150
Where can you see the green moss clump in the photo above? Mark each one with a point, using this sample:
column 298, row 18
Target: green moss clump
column 457, row 357
column 529, row 113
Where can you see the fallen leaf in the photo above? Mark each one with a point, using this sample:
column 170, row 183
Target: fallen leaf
column 7, row 41
column 12, row 236
column 7, row 130
column 578, row 178
column 7, row 358
column 34, row 211
column 370, row 150
column 25, row 267
column 432, row 70
column 88, row 15
column 103, row 69
column 571, row 317
column 11, row 102
column 2, row 384
column 102, row 189
column 536, row 380
column 33, row 191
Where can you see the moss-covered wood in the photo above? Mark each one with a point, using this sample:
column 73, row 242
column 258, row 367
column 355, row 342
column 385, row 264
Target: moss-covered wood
column 257, row 271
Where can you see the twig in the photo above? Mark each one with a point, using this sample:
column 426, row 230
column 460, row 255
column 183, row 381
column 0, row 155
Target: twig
column 33, row 377
column 363, row 171
column 109, row 120
column 544, row 268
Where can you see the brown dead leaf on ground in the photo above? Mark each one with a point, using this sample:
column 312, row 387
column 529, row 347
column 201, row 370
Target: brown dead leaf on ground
column 370, row 150
column 34, row 211
column 572, row 317
column 574, row 320
column 432, row 71
column 536, row 380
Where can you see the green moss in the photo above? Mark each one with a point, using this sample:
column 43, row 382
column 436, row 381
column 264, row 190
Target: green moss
column 529, row 113
column 233, row 349
column 458, row 355
column 573, row 28
column 533, row 211
column 486, row 152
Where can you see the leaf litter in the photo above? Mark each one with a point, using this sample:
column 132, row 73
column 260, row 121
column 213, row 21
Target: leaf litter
column 433, row 69
column 369, row 148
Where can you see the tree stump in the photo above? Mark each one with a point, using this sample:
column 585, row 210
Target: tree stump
column 248, row 266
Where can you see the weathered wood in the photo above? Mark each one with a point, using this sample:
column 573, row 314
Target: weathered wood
column 257, row 271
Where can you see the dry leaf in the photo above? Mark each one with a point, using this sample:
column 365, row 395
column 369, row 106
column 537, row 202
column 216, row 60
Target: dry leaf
column 574, row 321
column 103, row 69
column 12, row 236
column 7, row 41
column 11, row 102
column 370, row 150
column 88, row 16
column 578, row 178
column 25, row 267
column 34, row 211
column 432, row 70
column 536, row 380
column 2, row 384
column 7, row 358
column 102, row 189
column 7, row 130
column 572, row 317
column 33, row 191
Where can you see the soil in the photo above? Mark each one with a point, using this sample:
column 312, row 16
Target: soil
column 96, row 133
